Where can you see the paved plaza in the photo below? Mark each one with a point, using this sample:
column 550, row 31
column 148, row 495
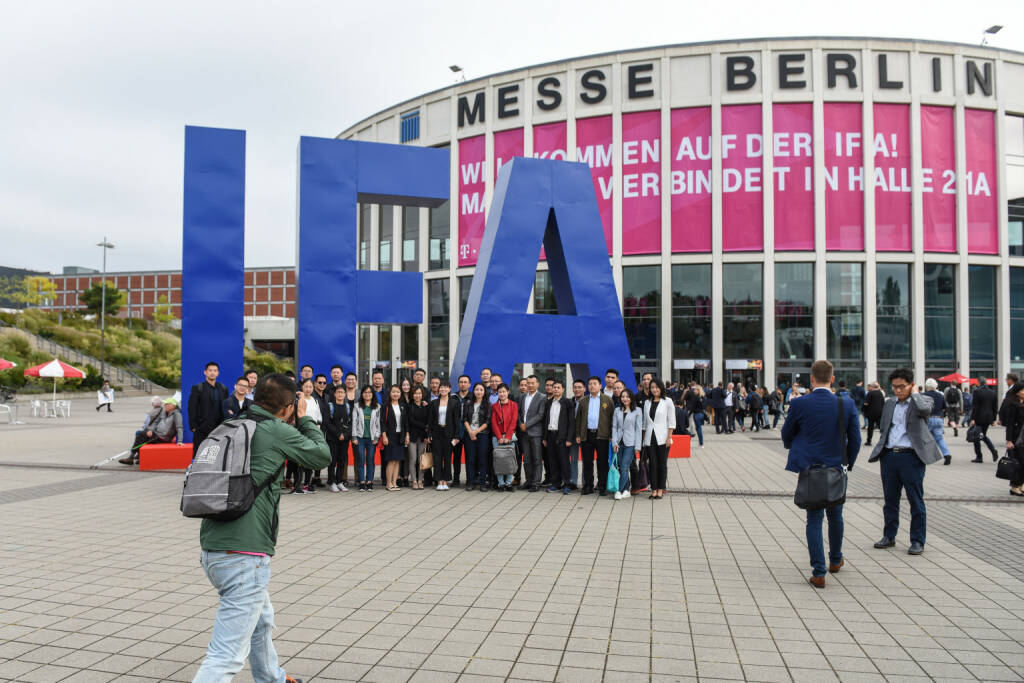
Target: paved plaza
column 100, row 577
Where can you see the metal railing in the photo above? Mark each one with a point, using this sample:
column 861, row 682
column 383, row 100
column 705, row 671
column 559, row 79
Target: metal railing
column 115, row 375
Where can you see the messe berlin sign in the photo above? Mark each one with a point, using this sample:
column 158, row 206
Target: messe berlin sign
column 537, row 202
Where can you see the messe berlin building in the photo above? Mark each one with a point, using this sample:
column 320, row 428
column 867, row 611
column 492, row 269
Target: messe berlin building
column 764, row 203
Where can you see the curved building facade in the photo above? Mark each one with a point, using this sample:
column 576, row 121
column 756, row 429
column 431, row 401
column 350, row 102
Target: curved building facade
column 764, row 203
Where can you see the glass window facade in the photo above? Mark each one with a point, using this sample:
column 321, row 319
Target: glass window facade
column 742, row 299
column 439, row 257
column 364, row 235
column 1015, row 227
column 411, row 239
column 363, row 353
column 543, row 295
column 385, row 233
column 981, row 294
column 465, row 283
column 895, row 332
column 691, row 312
column 794, row 315
column 844, row 296
column 641, row 312
column 1017, row 319
column 410, row 343
column 939, row 318
column 438, row 358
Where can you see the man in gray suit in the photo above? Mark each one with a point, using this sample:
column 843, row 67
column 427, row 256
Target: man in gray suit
column 905, row 446
column 531, row 432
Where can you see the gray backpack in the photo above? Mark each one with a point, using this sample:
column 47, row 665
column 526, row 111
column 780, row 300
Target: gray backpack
column 218, row 484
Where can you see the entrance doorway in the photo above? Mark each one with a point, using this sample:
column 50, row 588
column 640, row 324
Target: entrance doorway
column 748, row 378
column 701, row 376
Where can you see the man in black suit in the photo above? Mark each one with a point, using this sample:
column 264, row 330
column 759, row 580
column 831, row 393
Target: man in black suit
column 559, row 424
column 872, row 404
column 237, row 403
column 718, row 403
column 983, row 414
column 204, row 405
column 1007, row 406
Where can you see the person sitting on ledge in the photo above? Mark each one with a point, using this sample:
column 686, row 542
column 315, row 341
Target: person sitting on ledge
column 166, row 428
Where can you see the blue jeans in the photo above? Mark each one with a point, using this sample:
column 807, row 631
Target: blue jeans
column 626, row 455
column 935, row 427
column 365, row 450
column 698, row 421
column 903, row 471
column 476, row 459
column 815, row 543
column 244, row 622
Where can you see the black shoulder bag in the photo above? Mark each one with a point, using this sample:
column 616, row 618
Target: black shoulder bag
column 819, row 487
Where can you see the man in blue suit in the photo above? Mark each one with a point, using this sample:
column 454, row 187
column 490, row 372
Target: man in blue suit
column 813, row 435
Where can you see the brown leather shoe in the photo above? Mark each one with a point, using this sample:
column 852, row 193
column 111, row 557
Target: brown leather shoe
column 817, row 581
column 833, row 568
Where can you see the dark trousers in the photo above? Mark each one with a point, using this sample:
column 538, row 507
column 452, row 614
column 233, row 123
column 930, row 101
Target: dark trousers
column 903, row 471
column 557, row 461
column 984, row 437
column 815, row 542
column 658, row 463
column 441, row 447
column 730, row 420
column 719, row 420
column 872, row 426
column 533, row 458
column 590, row 449
column 457, row 451
column 337, row 471
column 1018, row 455
column 477, row 457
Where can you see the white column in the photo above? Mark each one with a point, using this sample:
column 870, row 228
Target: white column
column 1003, row 276
column 665, row 350
column 868, row 134
column 962, row 348
column 768, row 350
column 820, row 340
column 718, row 346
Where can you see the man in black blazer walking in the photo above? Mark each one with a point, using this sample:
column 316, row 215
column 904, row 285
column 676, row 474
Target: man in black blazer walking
column 983, row 414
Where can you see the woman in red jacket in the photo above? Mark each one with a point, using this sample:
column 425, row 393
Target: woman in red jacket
column 504, row 417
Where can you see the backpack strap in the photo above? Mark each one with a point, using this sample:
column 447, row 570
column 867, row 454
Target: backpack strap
column 272, row 477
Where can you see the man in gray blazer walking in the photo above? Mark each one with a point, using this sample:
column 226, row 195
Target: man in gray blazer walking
column 531, row 432
column 905, row 447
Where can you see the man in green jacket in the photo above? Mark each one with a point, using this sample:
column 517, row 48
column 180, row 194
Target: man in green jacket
column 236, row 554
column 593, row 432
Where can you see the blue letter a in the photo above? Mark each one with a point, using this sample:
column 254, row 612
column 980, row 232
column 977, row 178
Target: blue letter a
column 551, row 202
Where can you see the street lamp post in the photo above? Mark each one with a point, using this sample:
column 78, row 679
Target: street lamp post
column 103, row 308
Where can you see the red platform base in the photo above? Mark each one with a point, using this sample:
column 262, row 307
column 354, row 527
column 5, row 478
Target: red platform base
column 680, row 446
column 165, row 456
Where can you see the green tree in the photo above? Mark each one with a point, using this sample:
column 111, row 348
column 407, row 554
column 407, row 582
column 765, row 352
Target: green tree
column 38, row 290
column 163, row 312
column 93, row 297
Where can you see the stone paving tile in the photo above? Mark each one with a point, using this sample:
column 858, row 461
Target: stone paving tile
column 525, row 587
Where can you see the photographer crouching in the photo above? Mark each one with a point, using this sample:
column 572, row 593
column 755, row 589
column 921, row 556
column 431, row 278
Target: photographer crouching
column 236, row 554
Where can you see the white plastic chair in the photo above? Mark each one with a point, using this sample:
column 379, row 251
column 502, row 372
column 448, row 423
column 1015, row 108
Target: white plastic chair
column 38, row 408
column 6, row 409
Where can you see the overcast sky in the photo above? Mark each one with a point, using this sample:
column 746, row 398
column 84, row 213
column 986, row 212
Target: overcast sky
column 95, row 95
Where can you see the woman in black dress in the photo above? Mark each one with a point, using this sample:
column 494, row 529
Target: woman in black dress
column 394, row 434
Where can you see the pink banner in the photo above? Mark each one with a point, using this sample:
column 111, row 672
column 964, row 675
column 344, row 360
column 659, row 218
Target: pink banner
column 891, row 153
column 471, row 198
column 844, row 177
column 691, row 180
column 507, row 144
column 549, row 141
column 594, row 148
column 793, row 175
column 938, row 178
column 982, row 211
column 742, row 203
column 641, row 182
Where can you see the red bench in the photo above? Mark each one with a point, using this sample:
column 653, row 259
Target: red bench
column 165, row 456
column 680, row 446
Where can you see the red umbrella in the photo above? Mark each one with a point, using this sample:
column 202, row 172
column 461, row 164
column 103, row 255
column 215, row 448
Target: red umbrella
column 55, row 369
column 955, row 377
column 6, row 364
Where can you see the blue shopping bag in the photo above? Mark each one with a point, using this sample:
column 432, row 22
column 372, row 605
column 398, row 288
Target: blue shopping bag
column 613, row 471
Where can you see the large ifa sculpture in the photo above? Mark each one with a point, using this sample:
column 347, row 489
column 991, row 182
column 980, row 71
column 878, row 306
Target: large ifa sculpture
column 536, row 202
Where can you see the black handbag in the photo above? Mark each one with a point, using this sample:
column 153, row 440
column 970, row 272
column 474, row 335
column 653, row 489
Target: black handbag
column 973, row 434
column 1008, row 468
column 819, row 487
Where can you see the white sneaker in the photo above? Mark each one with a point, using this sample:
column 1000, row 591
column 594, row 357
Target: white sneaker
column 342, row 488
column 625, row 495
column 440, row 487
column 334, row 488
column 446, row 487
column 618, row 496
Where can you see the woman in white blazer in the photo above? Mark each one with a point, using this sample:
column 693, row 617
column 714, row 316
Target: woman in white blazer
column 659, row 423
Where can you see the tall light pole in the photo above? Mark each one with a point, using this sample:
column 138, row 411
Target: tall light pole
column 103, row 308
column 990, row 31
